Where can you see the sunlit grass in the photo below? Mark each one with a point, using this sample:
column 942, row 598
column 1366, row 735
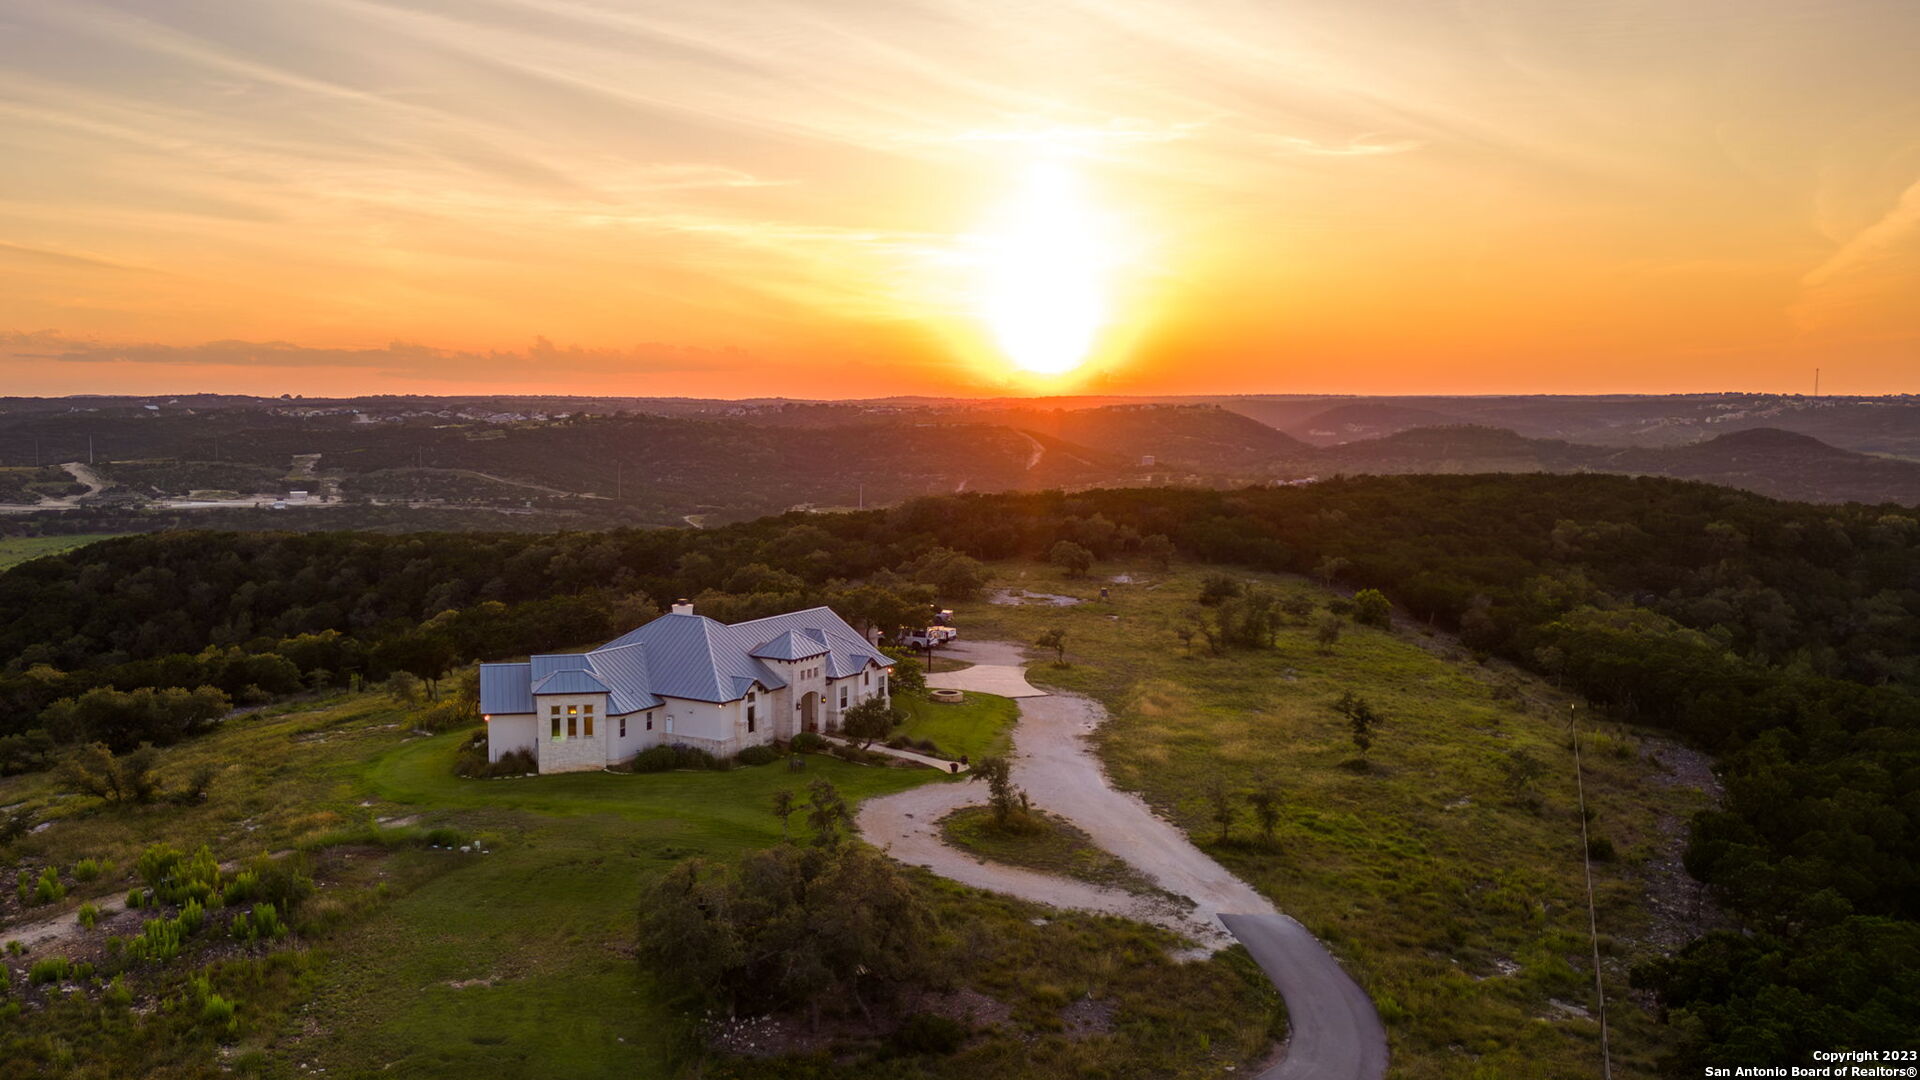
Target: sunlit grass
column 1422, row 871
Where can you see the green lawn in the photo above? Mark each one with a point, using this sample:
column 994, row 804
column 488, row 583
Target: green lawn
column 1047, row 843
column 518, row 963
column 18, row 549
column 1425, row 873
column 976, row 727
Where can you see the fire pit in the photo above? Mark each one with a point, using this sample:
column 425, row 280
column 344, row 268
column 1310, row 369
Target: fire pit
column 947, row 697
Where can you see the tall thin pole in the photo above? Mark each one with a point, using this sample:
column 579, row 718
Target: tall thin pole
column 1816, row 382
column 89, row 449
column 1593, row 919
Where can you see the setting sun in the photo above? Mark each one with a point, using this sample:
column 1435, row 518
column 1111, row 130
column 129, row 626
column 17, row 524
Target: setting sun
column 1047, row 261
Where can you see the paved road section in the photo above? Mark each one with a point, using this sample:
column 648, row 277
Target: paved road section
column 1335, row 1032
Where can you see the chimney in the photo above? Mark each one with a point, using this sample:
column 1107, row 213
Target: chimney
column 683, row 606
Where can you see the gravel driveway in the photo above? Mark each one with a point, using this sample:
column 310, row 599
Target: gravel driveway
column 1335, row 1032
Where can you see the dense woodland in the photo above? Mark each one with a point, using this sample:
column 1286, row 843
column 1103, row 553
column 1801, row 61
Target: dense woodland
column 1779, row 636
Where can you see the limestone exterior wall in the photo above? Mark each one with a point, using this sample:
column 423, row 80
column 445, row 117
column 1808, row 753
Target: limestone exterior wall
column 573, row 750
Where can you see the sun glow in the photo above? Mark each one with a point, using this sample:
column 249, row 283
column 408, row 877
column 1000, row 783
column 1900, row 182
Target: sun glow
column 1048, row 259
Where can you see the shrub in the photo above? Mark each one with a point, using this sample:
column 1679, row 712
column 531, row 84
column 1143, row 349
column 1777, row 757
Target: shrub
column 1600, row 848
column 471, row 761
column 192, row 917
column 175, row 877
column 89, row 869
column 52, row 969
column 757, row 755
column 136, row 898
column 445, row 837
column 160, row 940
column 283, row 882
column 48, row 889
column 807, row 742
column 1217, row 588
column 260, row 924
column 117, row 993
column 676, row 756
column 926, row 1033
column 89, row 915
column 899, row 742
column 217, row 1012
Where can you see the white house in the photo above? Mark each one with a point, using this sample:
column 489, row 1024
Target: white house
column 682, row 678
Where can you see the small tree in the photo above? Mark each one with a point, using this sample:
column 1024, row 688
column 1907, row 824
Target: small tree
column 1216, row 588
column 1158, row 550
column 783, row 809
column 1071, row 557
column 1327, row 633
column 871, row 719
column 1008, row 802
column 1185, row 632
column 1360, row 717
column 1371, row 608
column 1055, row 639
column 1265, row 801
column 1297, row 606
column 827, row 813
column 1330, row 568
column 1222, row 813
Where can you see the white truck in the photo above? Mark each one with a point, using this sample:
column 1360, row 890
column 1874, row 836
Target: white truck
column 926, row 637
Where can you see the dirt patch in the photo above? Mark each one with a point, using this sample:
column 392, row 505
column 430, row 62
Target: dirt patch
column 1020, row 597
column 780, row 1034
column 1088, row 1018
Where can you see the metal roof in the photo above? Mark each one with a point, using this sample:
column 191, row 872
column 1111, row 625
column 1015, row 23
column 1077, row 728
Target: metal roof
column 570, row 682
column 684, row 656
column 791, row 645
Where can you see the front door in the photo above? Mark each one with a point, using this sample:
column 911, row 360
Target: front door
column 809, row 711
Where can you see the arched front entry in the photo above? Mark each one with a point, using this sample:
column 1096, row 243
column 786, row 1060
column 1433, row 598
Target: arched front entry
column 810, row 711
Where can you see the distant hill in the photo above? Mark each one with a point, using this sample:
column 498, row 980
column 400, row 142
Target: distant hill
column 1365, row 420
column 1781, row 464
column 1206, row 438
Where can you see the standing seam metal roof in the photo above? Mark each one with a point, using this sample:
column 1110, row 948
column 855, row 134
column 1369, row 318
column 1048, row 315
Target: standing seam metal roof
column 684, row 656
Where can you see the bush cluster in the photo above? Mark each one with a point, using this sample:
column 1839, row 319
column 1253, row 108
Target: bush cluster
column 676, row 756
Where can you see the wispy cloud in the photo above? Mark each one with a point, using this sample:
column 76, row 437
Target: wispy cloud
column 1358, row 146
column 397, row 359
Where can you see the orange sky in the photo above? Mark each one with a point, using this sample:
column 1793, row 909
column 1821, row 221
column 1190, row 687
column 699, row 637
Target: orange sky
column 814, row 198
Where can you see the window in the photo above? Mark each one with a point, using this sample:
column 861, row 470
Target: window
column 649, row 721
column 588, row 709
column 556, row 721
column 749, row 719
column 623, row 727
column 589, row 721
column 573, row 726
column 866, row 678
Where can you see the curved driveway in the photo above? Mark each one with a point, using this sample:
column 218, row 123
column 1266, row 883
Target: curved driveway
column 1335, row 1034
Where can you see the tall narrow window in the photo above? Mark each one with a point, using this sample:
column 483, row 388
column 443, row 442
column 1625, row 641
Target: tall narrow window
column 573, row 726
column 749, row 719
column 589, row 731
column 556, row 722
column 623, row 727
column 843, row 697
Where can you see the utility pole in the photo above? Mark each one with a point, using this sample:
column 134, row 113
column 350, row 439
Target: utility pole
column 863, row 496
column 89, row 449
column 1816, row 382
